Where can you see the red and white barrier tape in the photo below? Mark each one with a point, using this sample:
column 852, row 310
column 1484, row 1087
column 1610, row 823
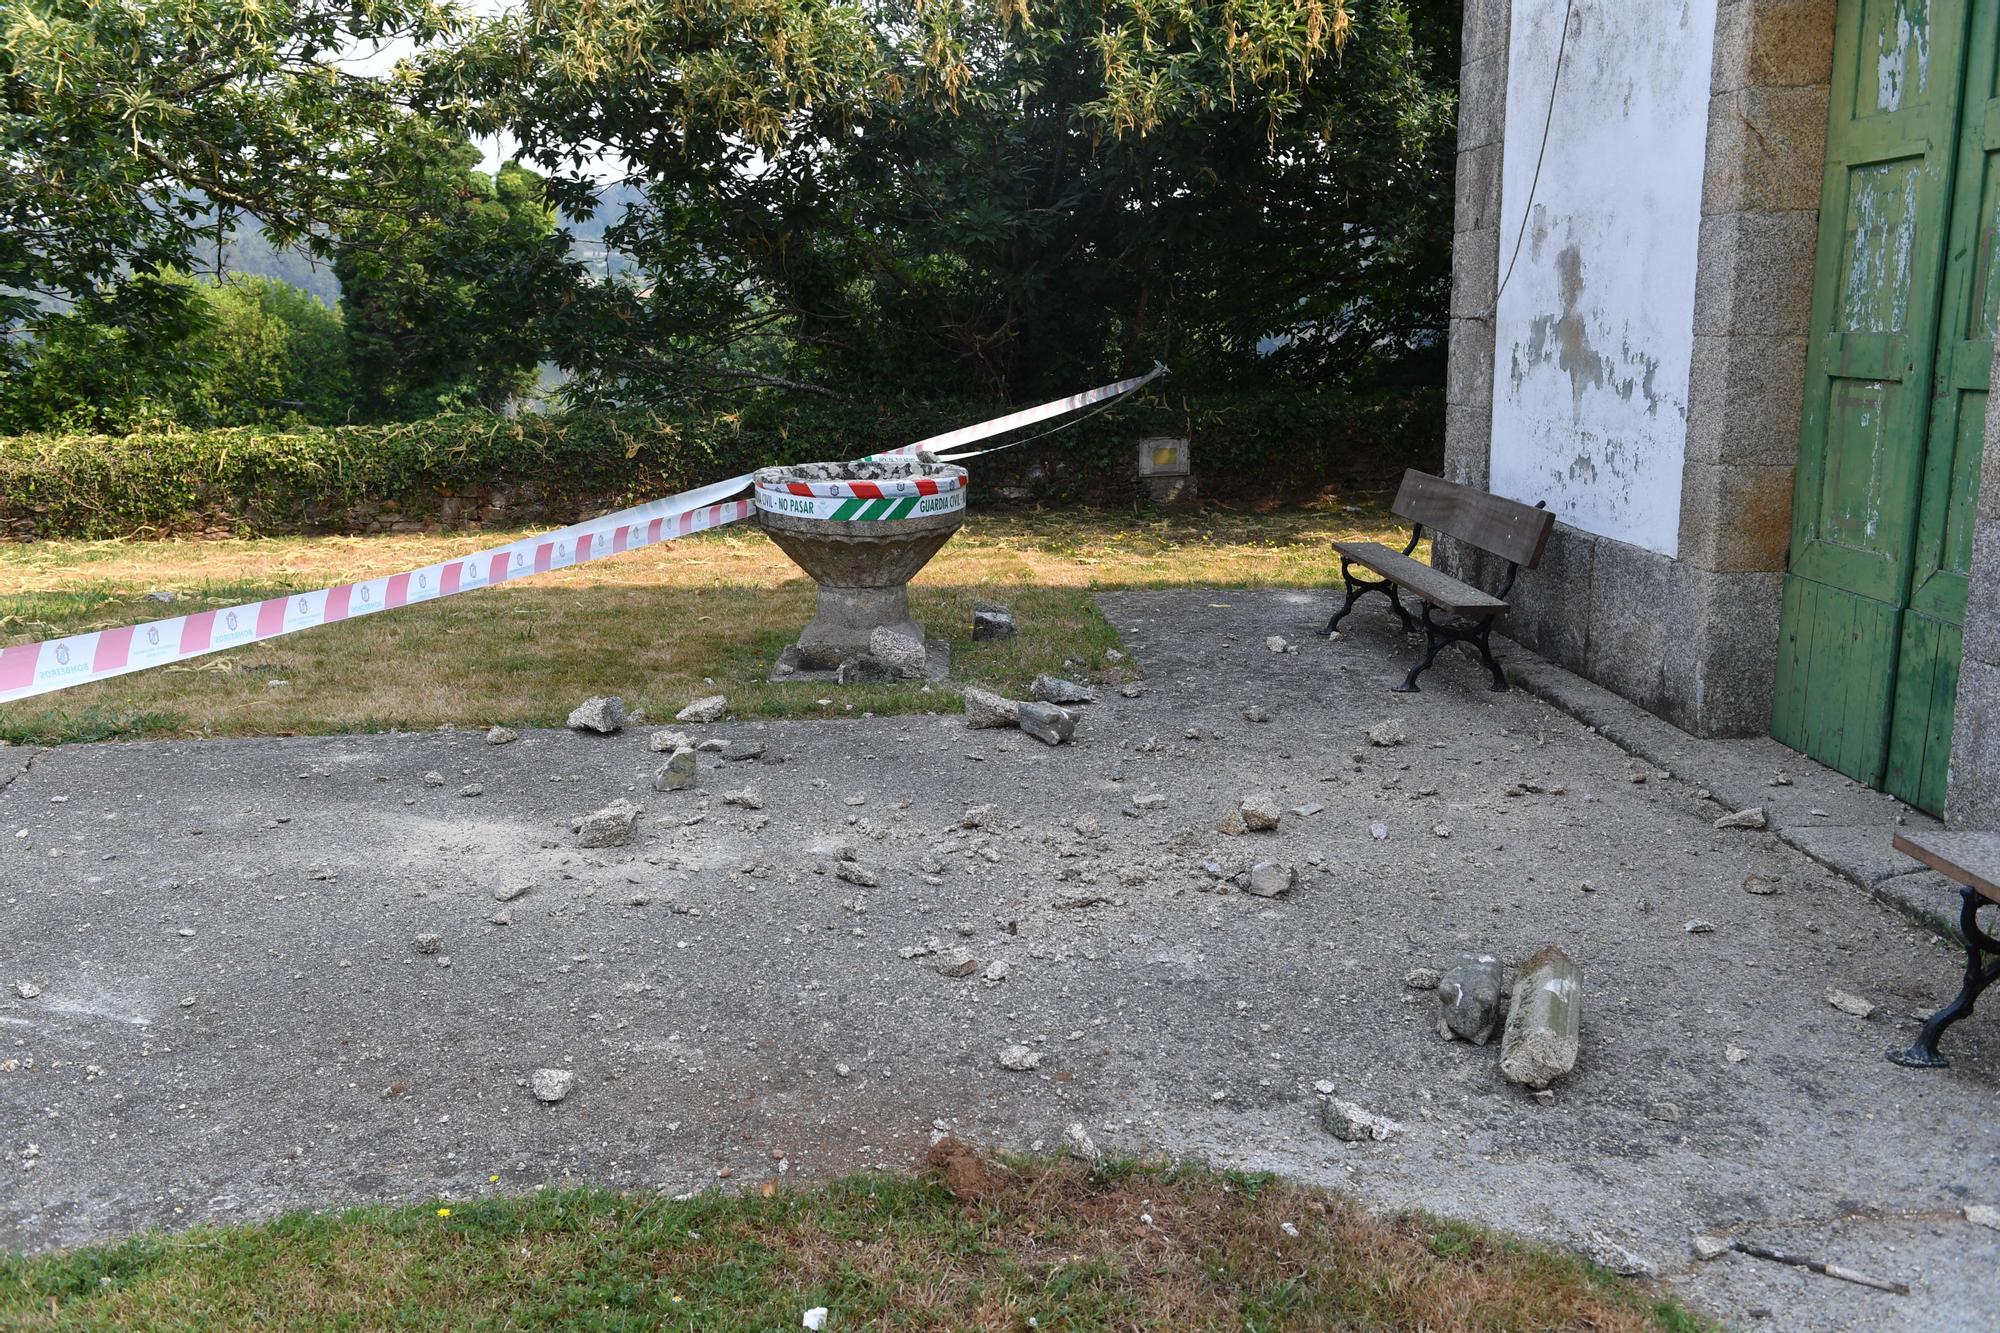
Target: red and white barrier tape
column 29, row 669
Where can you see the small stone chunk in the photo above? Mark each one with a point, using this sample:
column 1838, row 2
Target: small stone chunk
column 957, row 963
column 1260, row 812
column 552, row 1085
column 703, row 711
column 1351, row 1124
column 428, row 943
column 1699, row 926
column 1055, row 690
column 1046, row 723
column 602, row 714
column 1544, row 1022
column 26, row 989
column 434, row 779
column 1422, row 978
column 1753, row 818
column 1848, row 1002
column 900, row 656
column 747, row 798
column 1389, row 732
column 507, row 893
column 737, row 752
column 1469, row 999
column 666, row 742
column 990, row 620
column 1983, row 1215
column 501, row 736
column 1269, row 879
column 678, row 773
column 1020, row 1058
column 610, row 827
column 1077, row 1141
column 996, row 972
column 1710, row 1247
column 1761, row 885
column 983, row 708
column 1276, row 644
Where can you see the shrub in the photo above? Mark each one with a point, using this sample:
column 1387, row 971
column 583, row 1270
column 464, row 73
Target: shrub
column 476, row 467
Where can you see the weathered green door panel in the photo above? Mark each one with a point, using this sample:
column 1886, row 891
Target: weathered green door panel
column 1836, row 676
column 1926, row 687
column 1892, row 131
column 1941, row 556
column 1905, row 305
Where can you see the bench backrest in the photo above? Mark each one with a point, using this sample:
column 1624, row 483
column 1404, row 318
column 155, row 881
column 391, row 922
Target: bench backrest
column 1509, row 529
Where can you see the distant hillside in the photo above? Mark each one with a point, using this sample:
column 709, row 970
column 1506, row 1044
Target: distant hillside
column 248, row 250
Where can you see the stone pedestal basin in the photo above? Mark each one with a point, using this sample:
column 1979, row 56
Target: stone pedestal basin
column 862, row 530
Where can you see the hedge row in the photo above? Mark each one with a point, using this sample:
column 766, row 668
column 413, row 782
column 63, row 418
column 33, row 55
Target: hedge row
column 479, row 468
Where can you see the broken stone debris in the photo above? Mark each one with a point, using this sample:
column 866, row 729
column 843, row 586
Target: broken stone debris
column 957, row 963
column 1710, row 1247
column 612, row 826
column 1276, row 643
column 705, row 710
column 1848, row 1002
column 899, row 656
column 1983, row 1215
column 552, row 1085
column 501, row 735
column 1020, row 1058
column 991, row 620
column 1055, row 690
column 1753, row 818
column 602, row 714
column 434, row 779
column 1046, row 722
column 1351, row 1123
column 1699, row 926
column 678, row 773
column 1422, row 978
column 666, row 742
column 1260, row 812
column 996, row 972
column 507, row 893
column 747, row 798
column 1270, row 879
column 1389, row 732
column 983, row 708
column 26, row 989
column 1077, row 1140
column 1544, row 1022
column 428, row 943
column 1469, row 999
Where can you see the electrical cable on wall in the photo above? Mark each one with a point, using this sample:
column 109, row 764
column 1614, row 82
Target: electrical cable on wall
column 1534, row 182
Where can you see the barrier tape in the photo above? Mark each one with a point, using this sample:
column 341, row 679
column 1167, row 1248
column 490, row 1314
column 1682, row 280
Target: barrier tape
column 31, row 669
column 855, row 508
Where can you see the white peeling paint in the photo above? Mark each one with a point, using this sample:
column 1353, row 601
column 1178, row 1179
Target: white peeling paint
column 1595, row 330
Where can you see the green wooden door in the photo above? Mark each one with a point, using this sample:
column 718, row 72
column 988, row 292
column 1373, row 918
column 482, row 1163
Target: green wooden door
column 1895, row 391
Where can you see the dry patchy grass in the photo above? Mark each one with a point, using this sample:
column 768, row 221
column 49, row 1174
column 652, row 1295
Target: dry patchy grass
column 967, row 1246
column 655, row 626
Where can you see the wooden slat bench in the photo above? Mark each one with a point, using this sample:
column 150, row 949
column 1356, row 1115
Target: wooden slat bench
column 1515, row 532
column 1971, row 861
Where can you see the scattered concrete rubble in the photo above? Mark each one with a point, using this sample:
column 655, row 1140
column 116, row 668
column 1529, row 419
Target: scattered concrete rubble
column 1020, row 1058
column 1389, row 733
column 501, row 736
column 1046, row 722
column 1541, row 1039
column 704, row 711
column 552, row 1085
column 1055, row 690
column 990, row 620
column 603, row 714
column 612, row 826
column 1752, row 818
column 983, row 708
column 1352, row 1124
column 666, row 741
column 1848, row 1002
column 1469, row 999
column 678, row 773
column 957, row 963
column 428, row 942
column 1260, row 812
column 1269, row 879
column 747, row 797
column 1077, row 1141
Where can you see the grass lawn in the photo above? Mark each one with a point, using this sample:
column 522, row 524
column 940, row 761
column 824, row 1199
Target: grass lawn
column 656, row 626
column 969, row 1245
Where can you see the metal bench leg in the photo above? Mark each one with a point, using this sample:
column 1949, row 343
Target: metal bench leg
column 1480, row 641
column 1434, row 643
column 1359, row 588
column 1978, row 976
